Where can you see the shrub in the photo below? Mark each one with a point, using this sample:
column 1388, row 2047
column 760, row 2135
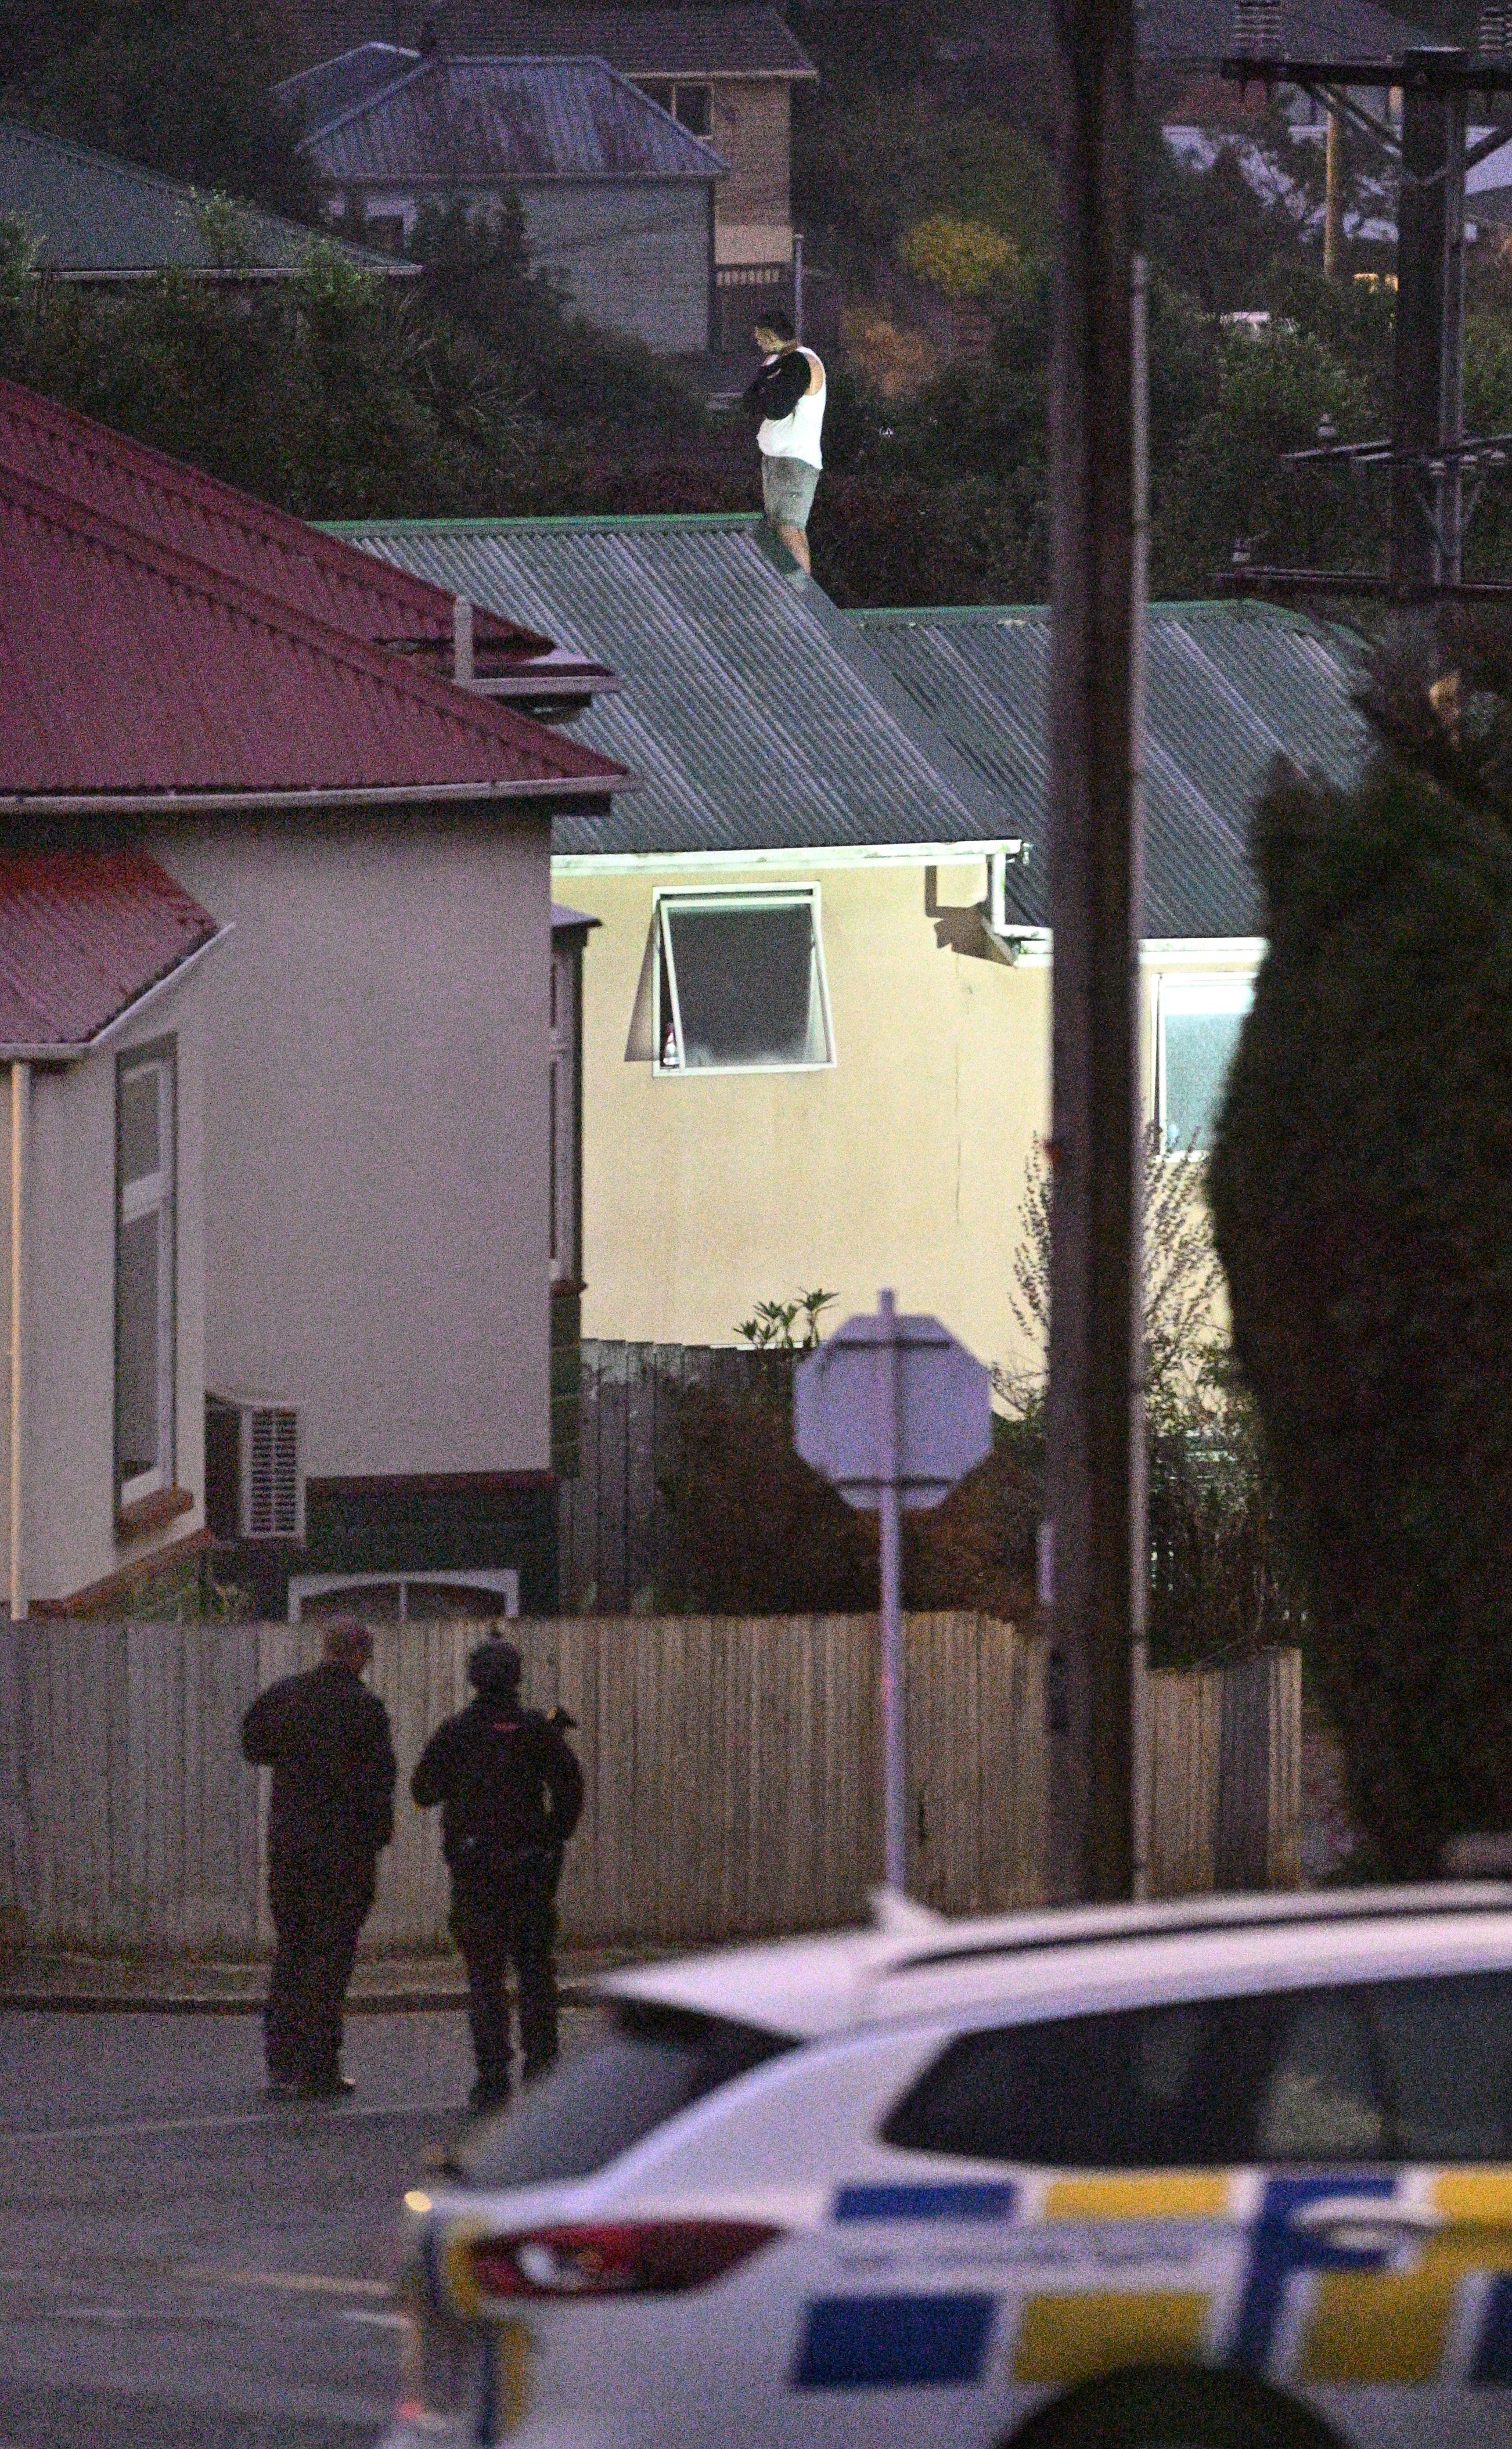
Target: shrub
column 1362, row 1186
column 960, row 258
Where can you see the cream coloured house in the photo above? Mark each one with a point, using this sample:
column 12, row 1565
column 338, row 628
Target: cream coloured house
column 817, row 1015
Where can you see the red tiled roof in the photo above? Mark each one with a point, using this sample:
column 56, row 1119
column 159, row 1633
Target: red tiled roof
column 247, row 538
column 130, row 672
column 83, row 936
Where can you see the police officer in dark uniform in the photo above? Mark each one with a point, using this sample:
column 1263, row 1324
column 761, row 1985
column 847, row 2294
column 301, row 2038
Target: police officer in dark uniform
column 326, row 1739
column 510, row 1793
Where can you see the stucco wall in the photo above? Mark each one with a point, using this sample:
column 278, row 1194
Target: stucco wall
column 376, row 1132
column 901, row 1166
column 905, row 1165
column 68, row 1305
column 633, row 257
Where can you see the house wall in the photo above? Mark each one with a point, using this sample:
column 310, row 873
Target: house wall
column 753, row 132
column 377, row 1134
column 903, row 1164
column 68, row 1307
column 631, row 257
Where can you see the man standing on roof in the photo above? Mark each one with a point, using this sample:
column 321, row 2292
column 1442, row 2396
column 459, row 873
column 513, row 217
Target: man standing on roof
column 788, row 395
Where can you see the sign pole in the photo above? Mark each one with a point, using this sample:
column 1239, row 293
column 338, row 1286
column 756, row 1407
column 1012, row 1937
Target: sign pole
column 893, row 1412
column 895, row 1789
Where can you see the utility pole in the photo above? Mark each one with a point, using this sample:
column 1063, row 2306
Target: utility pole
column 1437, row 472
column 1094, row 1550
column 1429, row 411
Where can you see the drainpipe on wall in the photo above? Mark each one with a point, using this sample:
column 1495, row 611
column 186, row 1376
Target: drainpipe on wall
column 20, row 1130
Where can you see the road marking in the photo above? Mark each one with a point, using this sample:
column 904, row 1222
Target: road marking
column 304, row 2282
column 220, row 2124
column 379, row 2321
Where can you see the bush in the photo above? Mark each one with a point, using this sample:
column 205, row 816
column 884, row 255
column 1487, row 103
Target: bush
column 1362, row 1187
column 960, row 258
column 751, row 1530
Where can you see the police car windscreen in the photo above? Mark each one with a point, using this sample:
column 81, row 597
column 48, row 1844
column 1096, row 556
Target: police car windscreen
column 595, row 2104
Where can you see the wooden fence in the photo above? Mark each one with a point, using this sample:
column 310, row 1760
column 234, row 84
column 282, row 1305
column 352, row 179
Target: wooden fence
column 610, row 1515
column 732, row 1772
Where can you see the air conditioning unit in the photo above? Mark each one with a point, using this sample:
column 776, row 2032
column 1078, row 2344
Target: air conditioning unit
column 254, row 1481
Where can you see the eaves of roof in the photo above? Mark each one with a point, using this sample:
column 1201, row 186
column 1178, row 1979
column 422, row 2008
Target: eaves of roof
column 86, row 938
column 134, row 677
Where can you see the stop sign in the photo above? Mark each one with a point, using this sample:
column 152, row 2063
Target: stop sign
column 892, row 1401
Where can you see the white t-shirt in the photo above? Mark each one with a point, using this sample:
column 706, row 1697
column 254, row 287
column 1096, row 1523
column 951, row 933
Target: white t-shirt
column 797, row 436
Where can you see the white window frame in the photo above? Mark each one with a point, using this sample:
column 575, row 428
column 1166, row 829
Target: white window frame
column 148, row 1195
column 502, row 1583
column 1216, row 994
column 692, row 898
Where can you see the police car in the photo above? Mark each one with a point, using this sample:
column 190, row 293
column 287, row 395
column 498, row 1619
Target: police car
column 1233, row 2173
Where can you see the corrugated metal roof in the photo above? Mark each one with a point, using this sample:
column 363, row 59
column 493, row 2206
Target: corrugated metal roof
column 245, row 538
column 317, row 95
column 1193, row 33
column 1231, row 687
column 638, row 42
column 89, row 215
column 510, row 119
column 129, row 670
column 761, row 717
column 83, row 936
column 754, row 716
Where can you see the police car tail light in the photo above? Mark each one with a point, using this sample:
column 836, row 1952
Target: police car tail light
column 616, row 2257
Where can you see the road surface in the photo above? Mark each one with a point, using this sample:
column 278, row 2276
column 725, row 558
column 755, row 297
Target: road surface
column 183, row 2266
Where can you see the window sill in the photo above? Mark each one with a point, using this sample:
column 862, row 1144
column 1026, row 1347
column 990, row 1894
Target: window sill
column 147, row 1513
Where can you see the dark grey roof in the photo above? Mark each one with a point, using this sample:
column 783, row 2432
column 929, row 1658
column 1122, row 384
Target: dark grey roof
column 451, row 117
column 752, row 713
column 1231, row 687
column 639, row 42
column 317, row 95
column 1192, row 33
column 92, row 217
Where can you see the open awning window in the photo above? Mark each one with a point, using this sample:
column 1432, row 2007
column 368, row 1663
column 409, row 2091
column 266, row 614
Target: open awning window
column 739, row 982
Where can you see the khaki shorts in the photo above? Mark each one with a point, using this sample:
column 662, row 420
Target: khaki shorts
column 788, row 491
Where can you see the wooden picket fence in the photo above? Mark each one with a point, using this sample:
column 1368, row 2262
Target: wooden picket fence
column 732, row 1771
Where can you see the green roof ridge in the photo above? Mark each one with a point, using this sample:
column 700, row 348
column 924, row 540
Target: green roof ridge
column 581, row 519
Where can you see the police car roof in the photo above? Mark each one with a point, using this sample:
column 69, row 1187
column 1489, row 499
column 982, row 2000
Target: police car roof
column 1055, row 1962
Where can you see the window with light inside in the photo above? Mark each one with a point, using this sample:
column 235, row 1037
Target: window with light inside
column 145, row 1272
column 740, row 983
column 1199, row 1024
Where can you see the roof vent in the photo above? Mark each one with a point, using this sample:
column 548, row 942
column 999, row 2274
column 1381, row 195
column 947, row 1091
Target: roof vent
column 1257, row 30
